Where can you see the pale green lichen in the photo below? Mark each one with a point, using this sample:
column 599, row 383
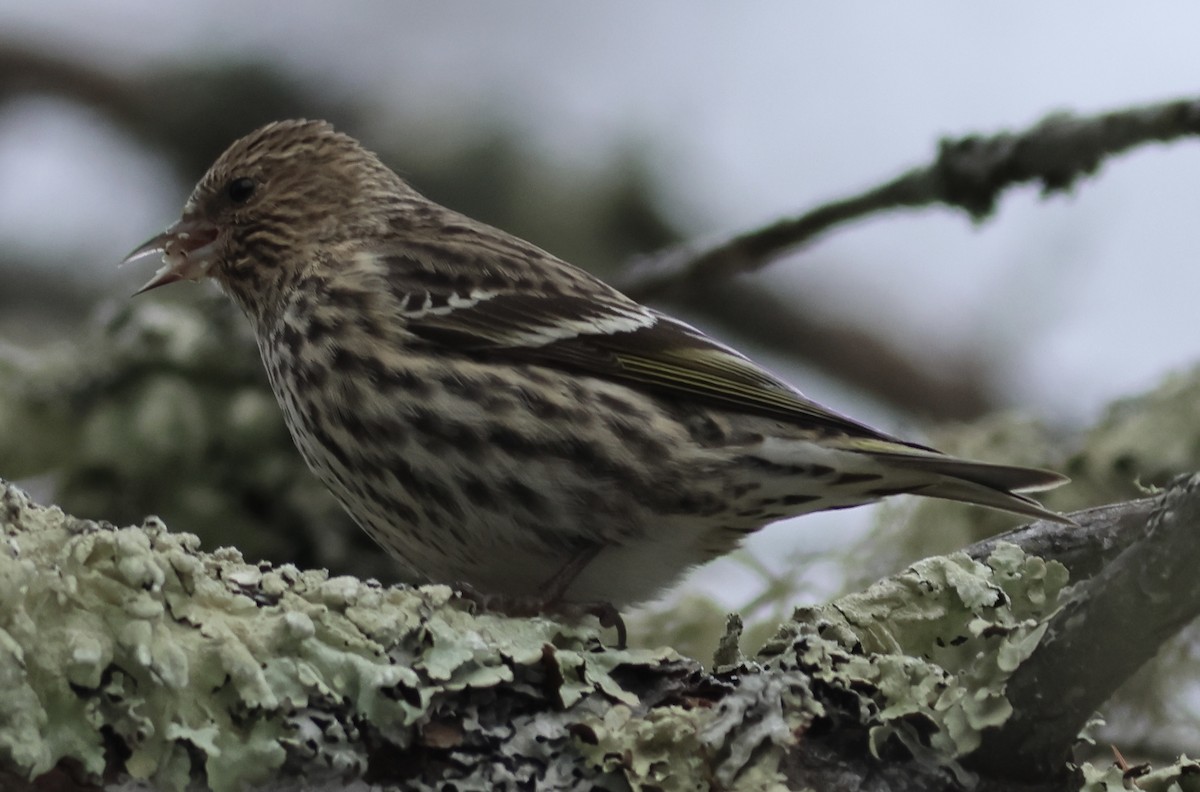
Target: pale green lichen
column 928, row 652
column 202, row 665
column 660, row 751
column 751, row 730
column 1138, row 442
column 186, row 657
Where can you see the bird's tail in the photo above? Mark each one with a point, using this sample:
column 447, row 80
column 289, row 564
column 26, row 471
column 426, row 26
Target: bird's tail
column 982, row 483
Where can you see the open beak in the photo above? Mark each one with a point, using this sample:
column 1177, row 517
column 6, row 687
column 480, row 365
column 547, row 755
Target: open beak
column 188, row 250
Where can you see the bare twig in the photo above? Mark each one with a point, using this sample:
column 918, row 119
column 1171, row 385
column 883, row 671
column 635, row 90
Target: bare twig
column 969, row 173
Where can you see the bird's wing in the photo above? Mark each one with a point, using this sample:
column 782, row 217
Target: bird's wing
column 569, row 320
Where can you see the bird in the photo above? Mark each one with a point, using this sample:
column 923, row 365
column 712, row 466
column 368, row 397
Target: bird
column 498, row 419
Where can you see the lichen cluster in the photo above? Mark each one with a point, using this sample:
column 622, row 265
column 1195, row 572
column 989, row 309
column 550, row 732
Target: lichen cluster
column 926, row 653
column 130, row 653
column 129, row 649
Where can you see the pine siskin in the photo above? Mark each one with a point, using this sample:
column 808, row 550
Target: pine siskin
column 494, row 416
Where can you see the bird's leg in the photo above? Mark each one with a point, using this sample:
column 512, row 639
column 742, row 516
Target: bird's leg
column 550, row 599
column 557, row 584
column 554, row 589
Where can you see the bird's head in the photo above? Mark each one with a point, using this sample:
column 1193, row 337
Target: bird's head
column 277, row 200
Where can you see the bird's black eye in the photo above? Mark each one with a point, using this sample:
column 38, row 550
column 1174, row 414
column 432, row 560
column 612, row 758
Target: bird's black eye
column 240, row 190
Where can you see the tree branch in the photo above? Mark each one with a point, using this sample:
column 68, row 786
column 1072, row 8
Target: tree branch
column 1114, row 622
column 128, row 653
column 969, row 173
column 1102, row 534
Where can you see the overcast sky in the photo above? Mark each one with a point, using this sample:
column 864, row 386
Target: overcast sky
column 752, row 110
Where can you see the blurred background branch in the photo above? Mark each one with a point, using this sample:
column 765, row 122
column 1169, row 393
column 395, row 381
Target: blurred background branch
column 969, row 173
column 189, row 113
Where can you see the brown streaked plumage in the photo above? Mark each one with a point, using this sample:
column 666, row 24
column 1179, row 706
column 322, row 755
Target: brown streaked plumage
column 495, row 416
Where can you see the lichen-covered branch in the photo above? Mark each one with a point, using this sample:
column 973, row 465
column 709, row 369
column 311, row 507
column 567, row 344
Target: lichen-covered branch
column 1102, row 534
column 128, row 653
column 1112, row 624
column 131, row 652
column 1139, row 444
column 969, row 173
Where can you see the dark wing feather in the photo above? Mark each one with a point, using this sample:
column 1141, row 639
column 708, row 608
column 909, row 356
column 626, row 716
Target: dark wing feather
column 537, row 309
